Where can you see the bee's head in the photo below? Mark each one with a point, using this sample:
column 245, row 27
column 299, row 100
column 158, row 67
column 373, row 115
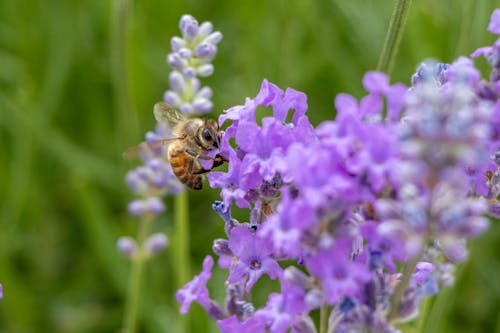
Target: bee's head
column 208, row 134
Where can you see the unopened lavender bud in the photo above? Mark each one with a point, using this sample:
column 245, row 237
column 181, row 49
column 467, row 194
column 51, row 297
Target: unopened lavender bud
column 445, row 274
column 204, row 92
column 205, row 29
column 214, row 37
column 496, row 157
column 186, row 108
column 304, row 324
column 154, row 205
column 156, row 242
column 476, row 226
column 245, row 309
column 205, row 70
column 408, row 307
column 185, row 53
column 136, row 207
column 223, row 211
column 221, row 247
column 215, row 311
column 422, row 271
column 296, row 277
column 177, row 82
column 346, row 305
column 189, row 72
column 189, row 27
column 127, row 246
column 494, row 183
column 172, row 98
column 202, row 105
column 177, row 43
column 456, row 251
column 494, row 209
column 315, row 298
column 205, row 50
column 175, row 61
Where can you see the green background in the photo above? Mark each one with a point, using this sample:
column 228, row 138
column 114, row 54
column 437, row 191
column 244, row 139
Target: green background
column 77, row 83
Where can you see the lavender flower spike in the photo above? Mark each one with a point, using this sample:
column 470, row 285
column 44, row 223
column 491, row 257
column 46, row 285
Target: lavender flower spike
column 191, row 58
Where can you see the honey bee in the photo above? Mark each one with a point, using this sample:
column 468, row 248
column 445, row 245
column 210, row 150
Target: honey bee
column 193, row 139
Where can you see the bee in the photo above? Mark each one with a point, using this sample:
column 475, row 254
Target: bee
column 193, row 139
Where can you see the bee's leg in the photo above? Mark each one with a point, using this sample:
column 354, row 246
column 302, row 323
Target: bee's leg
column 198, row 170
column 198, row 155
column 194, row 166
column 218, row 160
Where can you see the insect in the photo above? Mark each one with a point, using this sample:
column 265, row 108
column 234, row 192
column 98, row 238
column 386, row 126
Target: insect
column 193, row 139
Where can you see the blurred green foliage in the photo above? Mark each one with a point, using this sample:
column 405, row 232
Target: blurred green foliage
column 77, row 83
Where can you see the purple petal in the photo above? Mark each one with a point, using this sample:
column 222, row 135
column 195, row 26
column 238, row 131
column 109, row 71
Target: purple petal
column 494, row 26
column 375, row 82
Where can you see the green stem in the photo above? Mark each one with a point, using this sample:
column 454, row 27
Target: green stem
column 135, row 282
column 393, row 36
column 119, row 70
column 402, row 286
column 323, row 318
column 182, row 238
column 181, row 248
column 425, row 307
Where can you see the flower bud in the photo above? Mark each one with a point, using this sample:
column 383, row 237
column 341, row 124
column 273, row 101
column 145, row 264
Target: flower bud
column 177, row 43
column 156, row 242
column 205, row 70
column 221, row 247
column 127, row 246
column 177, row 82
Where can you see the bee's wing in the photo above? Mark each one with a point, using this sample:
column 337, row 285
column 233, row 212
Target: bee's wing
column 166, row 113
column 145, row 147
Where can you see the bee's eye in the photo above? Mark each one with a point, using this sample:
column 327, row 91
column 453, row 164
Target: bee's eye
column 206, row 134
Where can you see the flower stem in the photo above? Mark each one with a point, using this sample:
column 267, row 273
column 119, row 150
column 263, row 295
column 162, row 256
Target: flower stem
column 402, row 286
column 393, row 36
column 182, row 237
column 181, row 248
column 323, row 318
column 135, row 282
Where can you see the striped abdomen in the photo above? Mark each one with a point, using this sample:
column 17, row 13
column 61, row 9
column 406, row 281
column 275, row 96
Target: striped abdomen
column 181, row 163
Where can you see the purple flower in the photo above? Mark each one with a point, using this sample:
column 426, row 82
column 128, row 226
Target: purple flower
column 385, row 243
column 253, row 257
column 196, row 289
column 339, row 276
column 422, row 271
column 378, row 85
column 191, row 57
column 356, row 198
column 285, row 229
column 494, row 25
column 230, row 183
column 259, row 155
column 284, row 310
column 232, row 324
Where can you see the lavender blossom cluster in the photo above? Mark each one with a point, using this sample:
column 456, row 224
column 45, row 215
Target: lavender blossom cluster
column 191, row 57
column 362, row 216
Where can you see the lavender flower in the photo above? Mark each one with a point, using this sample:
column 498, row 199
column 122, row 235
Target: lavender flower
column 339, row 276
column 127, row 246
column 253, row 257
column 191, row 56
column 196, row 290
column 350, row 202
